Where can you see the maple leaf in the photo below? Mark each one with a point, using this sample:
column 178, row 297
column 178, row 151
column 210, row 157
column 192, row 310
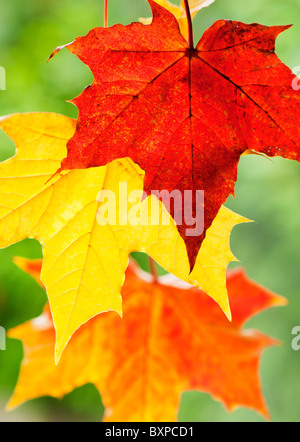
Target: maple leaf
column 84, row 262
column 180, row 13
column 170, row 340
column 184, row 115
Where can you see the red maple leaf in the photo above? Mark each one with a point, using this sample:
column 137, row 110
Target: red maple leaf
column 184, row 115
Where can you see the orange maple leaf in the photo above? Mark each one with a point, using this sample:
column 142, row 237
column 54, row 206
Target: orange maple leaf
column 170, row 340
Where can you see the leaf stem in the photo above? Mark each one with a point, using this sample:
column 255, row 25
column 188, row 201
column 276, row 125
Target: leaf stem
column 190, row 24
column 105, row 13
column 153, row 269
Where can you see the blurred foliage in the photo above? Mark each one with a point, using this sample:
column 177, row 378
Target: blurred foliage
column 267, row 192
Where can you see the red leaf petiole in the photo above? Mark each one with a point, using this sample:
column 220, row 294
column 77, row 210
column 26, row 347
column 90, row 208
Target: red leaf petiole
column 190, row 24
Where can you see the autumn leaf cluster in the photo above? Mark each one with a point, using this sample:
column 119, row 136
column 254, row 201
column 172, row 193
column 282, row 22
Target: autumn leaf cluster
column 161, row 115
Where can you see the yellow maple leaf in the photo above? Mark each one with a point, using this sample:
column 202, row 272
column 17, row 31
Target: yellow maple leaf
column 180, row 13
column 84, row 262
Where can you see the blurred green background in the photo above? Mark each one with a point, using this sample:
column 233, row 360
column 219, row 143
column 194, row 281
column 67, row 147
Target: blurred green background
column 267, row 192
